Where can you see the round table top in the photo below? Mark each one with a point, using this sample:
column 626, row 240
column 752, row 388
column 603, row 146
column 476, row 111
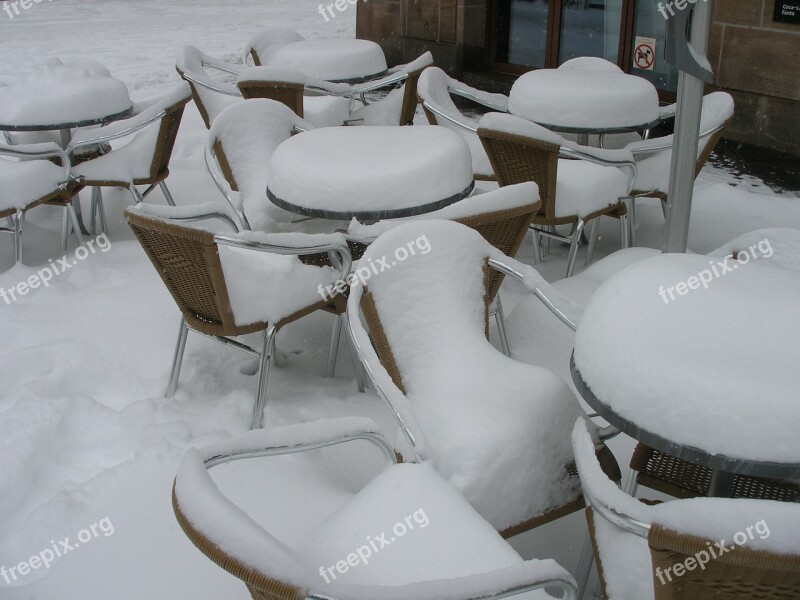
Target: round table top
column 338, row 60
column 584, row 98
column 697, row 356
column 370, row 173
column 62, row 96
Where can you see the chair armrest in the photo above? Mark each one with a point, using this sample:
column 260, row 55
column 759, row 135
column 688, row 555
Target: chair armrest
column 295, row 244
column 189, row 213
column 292, row 439
column 118, row 129
column 472, row 127
column 501, row 583
column 622, row 159
column 42, row 150
column 219, row 65
column 567, row 310
column 381, row 380
column 667, row 112
column 214, row 86
column 497, row 102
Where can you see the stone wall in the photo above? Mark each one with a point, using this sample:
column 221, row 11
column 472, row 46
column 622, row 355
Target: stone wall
column 758, row 61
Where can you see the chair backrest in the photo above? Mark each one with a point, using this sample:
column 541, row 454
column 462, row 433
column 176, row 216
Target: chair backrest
column 410, row 98
column 210, row 96
column 517, row 158
column 282, row 85
column 187, row 259
column 241, row 142
column 717, row 112
column 433, row 89
column 263, row 44
column 173, row 105
column 638, row 546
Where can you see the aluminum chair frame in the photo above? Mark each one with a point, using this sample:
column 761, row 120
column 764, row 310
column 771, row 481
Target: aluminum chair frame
column 68, row 187
column 207, row 82
column 341, row 435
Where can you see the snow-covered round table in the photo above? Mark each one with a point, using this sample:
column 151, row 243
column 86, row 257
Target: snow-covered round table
column 370, row 173
column 706, row 372
column 585, row 96
column 339, row 60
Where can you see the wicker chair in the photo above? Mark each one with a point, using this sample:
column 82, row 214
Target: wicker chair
column 400, row 105
column 435, row 91
column 142, row 161
column 210, row 95
column 32, row 180
column 321, row 103
column 653, row 156
column 449, row 549
column 638, row 546
column 385, row 333
column 501, row 216
column 192, row 263
column 262, row 45
column 577, row 184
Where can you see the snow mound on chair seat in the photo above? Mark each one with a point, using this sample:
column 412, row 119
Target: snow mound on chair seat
column 24, row 182
column 498, row 429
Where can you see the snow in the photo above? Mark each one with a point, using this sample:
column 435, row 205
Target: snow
column 433, row 89
column 265, row 43
column 56, row 93
column 582, row 187
column 333, row 60
column 370, row 168
column 249, row 133
column 691, row 334
column 782, row 244
column 449, row 369
column 27, row 181
column 85, row 431
column 584, row 98
column 500, row 199
column 653, row 165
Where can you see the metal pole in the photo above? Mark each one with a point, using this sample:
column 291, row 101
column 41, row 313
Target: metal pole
column 687, row 129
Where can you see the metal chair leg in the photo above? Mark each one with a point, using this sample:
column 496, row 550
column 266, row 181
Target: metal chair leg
column 594, row 226
column 585, row 563
column 499, row 316
column 573, row 247
column 165, row 191
column 16, row 222
column 537, row 246
column 630, row 204
column 334, row 351
column 358, row 368
column 76, row 224
column 631, row 483
column 93, row 213
column 624, row 229
column 177, row 359
column 102, row 211
column 137, row 197
column 65, row 231
column 263, row 377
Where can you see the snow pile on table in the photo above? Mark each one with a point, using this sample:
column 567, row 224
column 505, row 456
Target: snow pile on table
column 334, row 60
column 87, row 94
column 719, row 347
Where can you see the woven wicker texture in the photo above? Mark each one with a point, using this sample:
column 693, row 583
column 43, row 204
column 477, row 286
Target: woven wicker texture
column 290, row 94
column 740, row 574
column 198, row 100
column 260, row 586
column 682, row 479
column 410, row 98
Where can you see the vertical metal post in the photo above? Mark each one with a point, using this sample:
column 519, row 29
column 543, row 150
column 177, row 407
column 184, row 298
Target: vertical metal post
column 687, row 130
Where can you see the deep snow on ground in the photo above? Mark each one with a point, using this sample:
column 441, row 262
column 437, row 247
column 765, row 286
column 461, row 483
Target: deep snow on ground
column 85, row 432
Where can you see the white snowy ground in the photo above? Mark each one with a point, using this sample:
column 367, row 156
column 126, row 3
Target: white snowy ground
column 85, row 433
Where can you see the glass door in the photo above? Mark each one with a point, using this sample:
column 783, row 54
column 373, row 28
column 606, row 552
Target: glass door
column 590, row 28
column 521, row 33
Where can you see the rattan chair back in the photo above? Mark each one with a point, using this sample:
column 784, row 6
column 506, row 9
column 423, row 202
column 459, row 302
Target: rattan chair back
column 187, row 259
column 167, row 134
column 740, row 573
column 289, row 94
column 410, row 98
column 517, row 159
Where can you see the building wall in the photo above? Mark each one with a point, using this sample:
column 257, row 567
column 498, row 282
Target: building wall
column 758, row 61
column 754, row 58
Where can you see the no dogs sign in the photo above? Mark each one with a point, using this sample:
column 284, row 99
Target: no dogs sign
column 644, row 53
